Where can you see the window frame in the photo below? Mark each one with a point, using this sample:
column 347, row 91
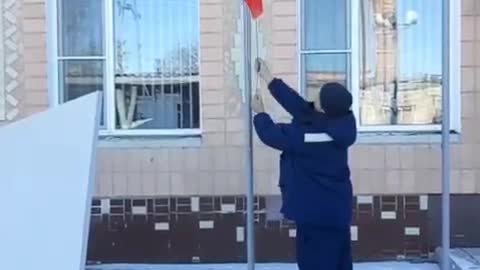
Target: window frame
column 109, row 128
column 353, row 7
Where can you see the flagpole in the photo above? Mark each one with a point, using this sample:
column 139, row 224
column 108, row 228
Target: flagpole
column 445, row 264
column 247, row 32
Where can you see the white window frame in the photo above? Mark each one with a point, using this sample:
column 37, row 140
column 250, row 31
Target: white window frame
column 109, row 74
column 354, row 72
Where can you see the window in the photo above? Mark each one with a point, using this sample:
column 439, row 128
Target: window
column 143, row 55
column 388, row 53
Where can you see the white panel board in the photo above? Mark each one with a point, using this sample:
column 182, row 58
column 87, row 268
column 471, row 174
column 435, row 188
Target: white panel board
column 46, row 174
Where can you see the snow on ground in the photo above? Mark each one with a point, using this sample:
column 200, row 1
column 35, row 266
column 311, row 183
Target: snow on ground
column 359, row 266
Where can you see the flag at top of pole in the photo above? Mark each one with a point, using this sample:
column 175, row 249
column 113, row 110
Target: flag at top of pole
column 256, row 7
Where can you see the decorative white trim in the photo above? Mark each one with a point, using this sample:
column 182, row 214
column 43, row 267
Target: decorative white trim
column 389, row 215
column 412, row 231
column 195, row 204
column 105, row 206
column 364, row 199
column 139, row 210
column 206, row 225
column 12, row 114
column 162, row 226
column 228, row 208
column 240, row 235
column 423, row 202
column 12, row 101
column 354, row 233
column 9, row 58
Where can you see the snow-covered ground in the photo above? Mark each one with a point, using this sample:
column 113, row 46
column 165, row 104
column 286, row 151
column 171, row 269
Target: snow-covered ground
column 359, row 266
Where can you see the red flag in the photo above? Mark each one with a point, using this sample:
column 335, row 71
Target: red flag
column 256, row 7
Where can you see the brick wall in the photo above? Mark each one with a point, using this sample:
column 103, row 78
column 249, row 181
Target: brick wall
column 216, row 167
column 212, row 229
column 390, row 169
column 35, row 96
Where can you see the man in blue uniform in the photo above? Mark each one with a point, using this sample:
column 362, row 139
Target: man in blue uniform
column 314, row 172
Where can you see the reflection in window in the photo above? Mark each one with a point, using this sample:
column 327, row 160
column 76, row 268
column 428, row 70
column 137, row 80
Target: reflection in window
column 80, row 49
column 400, row 63
column 80, row 28
column 325, row 25
column 80, row 77
column 156, row 64
column 326, row 50
column 324, row 68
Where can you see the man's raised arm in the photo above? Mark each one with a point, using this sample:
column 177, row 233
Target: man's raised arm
column 287, row 97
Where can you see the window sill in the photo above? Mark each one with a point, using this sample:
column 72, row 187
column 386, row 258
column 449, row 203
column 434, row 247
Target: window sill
column 176, row 141
column 150, row 133
column 404, row 137
column 150, row 141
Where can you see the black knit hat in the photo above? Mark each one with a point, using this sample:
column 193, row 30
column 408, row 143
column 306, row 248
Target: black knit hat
column 335, row 99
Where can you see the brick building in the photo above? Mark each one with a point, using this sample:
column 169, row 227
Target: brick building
column 170, row 180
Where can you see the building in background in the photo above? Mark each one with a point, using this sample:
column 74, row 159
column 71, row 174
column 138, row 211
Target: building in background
column 170, row 184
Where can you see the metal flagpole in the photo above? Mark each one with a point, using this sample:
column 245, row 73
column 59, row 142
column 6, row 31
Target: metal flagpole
column 446, row 135
column 247, row 31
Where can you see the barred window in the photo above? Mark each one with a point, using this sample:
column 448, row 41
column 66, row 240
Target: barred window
column 388, row 53
column 143, row 55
